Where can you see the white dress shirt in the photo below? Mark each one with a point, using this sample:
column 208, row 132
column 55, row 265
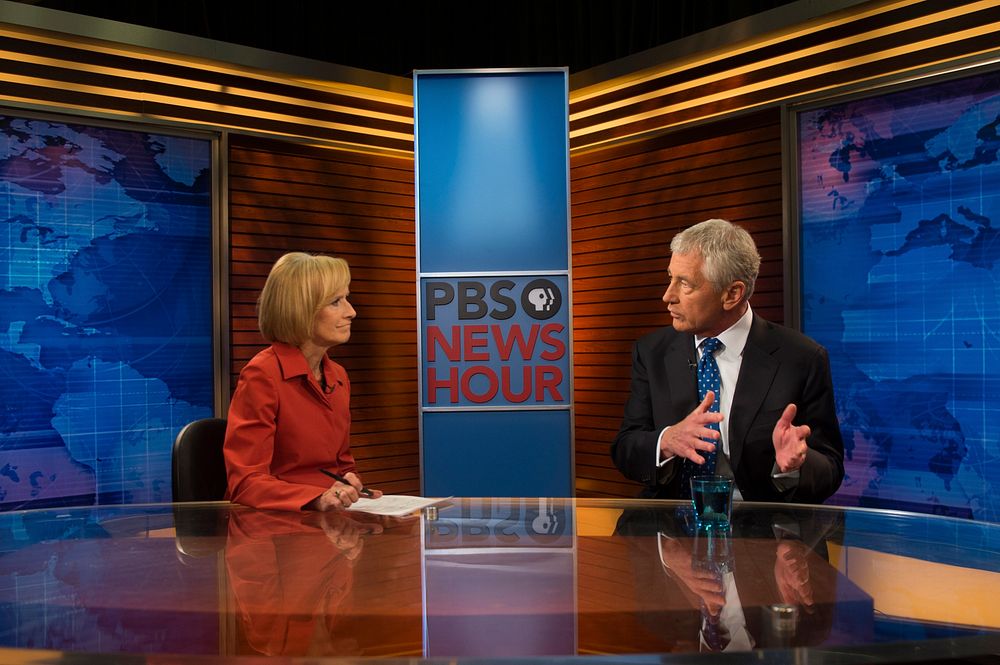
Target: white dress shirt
column 730, row 359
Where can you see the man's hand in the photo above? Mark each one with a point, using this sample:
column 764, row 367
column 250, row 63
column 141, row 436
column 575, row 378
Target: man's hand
column 687, row 438
column 699, row 584
column 790, row 441
column 791, row 573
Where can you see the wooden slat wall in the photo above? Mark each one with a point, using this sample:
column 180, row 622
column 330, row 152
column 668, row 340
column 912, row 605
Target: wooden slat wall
column 288, row 197
column 627, row 203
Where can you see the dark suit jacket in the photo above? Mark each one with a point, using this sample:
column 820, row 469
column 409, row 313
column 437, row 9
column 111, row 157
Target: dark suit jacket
column 780, row 366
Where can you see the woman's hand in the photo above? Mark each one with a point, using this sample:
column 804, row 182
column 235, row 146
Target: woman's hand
column 341, row 495
column 346, row 534
column 359, row 487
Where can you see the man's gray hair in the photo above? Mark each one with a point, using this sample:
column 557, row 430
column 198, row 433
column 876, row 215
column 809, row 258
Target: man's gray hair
column 729, row 252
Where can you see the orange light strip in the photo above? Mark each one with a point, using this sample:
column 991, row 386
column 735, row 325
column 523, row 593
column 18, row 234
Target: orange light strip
column 800, row 75
column 179, row 82
column 111, row 48
column 622, row 83
column 785, row 58
column 207, row 106
column 182, row 122
column 687, row 63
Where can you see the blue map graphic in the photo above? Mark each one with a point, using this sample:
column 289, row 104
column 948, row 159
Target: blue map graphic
column 105, row 310
column 901, row 283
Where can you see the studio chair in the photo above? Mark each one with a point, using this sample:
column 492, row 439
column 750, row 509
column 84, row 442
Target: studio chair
column 199, row 470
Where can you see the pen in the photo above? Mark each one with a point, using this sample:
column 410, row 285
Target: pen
column 336, row 476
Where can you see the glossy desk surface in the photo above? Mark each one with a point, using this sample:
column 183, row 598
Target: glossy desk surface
column 496, row 579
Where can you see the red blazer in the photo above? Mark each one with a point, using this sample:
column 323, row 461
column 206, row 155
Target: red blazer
column 283, row 429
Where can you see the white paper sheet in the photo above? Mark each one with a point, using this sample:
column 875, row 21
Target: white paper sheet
column 393, row 505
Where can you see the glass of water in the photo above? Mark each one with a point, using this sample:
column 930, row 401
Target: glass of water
column 712, row 502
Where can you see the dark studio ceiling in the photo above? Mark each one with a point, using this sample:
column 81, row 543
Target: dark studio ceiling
column 396, row 37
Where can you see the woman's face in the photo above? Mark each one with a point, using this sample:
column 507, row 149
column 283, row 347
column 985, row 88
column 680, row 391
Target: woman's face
column 332, row 325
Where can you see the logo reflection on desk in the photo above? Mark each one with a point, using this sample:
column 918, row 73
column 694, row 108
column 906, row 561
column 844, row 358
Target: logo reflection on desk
column 502, row 523
column 500, row 580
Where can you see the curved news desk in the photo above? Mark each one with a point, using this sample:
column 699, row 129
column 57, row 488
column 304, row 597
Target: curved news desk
column 495, row 579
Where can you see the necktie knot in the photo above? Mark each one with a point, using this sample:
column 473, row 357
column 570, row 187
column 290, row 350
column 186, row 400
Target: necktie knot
column 709, row 346
column 708, row 371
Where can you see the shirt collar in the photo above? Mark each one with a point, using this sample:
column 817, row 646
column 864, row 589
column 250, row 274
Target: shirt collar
column 291, row 360
column 293, row 363
column 735, row 337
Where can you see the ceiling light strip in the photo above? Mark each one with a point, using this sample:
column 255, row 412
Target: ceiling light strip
column 784, row 80
column 697, row 59
column 778, row 99
column 206, row 106
column 139, row 54
column 869, row 36
column 686, row 64
column 190, row 84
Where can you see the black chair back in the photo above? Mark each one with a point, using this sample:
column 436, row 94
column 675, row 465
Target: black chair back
column 199, row 469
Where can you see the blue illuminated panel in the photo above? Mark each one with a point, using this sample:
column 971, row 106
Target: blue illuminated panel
column 496, row 453
column 492, row 171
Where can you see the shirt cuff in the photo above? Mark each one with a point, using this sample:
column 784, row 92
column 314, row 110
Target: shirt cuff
column 661, row 462
column 784, row 481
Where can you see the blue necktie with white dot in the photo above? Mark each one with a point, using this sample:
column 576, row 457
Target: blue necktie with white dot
column 708, row 379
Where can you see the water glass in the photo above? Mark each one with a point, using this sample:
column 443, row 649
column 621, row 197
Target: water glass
column 712, row 502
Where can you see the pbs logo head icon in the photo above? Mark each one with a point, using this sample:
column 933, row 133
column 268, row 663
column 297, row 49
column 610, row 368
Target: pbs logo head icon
column 541, row 299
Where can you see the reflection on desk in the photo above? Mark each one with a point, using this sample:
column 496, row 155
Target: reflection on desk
column 292, row 578
column 770, row 587
column 495, row 578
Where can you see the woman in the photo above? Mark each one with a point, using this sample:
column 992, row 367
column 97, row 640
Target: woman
column 289, row 420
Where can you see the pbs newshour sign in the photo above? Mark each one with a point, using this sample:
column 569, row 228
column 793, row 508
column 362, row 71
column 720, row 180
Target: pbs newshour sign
column 492, row 165
column 495, row 341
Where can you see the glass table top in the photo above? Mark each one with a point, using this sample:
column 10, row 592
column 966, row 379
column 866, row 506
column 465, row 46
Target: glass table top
column 497, row 579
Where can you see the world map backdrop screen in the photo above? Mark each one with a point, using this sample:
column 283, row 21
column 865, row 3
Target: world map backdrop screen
column 899, row 281
column 105, row 309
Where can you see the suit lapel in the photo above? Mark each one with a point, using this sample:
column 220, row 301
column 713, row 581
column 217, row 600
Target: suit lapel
column 682, row 377
column 757, row 372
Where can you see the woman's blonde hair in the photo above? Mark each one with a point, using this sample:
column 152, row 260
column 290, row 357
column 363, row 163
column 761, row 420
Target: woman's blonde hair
column 298, row 286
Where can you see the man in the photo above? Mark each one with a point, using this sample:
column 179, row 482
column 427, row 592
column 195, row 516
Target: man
column 777, row 436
